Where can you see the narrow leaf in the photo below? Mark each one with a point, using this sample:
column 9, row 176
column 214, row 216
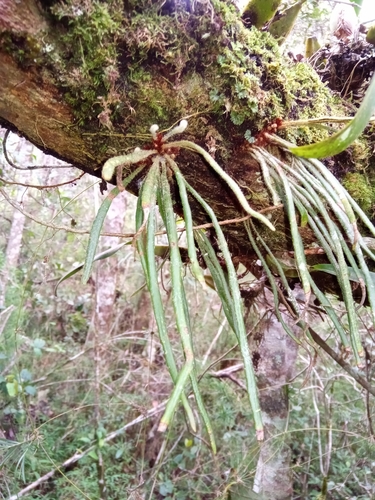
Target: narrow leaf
column 99, row 256
column 343, row 139
column 98, row 224
column 329, row 269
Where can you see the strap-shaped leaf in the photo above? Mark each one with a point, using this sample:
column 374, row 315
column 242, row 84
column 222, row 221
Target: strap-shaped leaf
column 343, row 139
column 100, row 256
column 98, row 224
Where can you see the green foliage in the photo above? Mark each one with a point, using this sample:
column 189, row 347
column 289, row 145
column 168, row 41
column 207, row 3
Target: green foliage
column 50, row 397
column 345, row 137
column 258, row 12
column 330, row 439
column 281, row 25
column 62, row 411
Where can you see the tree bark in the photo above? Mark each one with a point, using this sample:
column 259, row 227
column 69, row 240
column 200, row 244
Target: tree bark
column 274, row 355
column 276, row 366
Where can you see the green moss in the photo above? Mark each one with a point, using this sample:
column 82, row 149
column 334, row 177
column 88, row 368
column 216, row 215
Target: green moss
column 88, row 56
column 138, row 68
column 240, row 74
column 254, row 83
column 26, row 49
column 152, row 104
column 359, row 188
column 149, row 64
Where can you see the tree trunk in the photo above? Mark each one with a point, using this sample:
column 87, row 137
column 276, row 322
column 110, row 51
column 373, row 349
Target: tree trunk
column 276, row 360
column 13, row 249
column 14, row 244
column 274, row 355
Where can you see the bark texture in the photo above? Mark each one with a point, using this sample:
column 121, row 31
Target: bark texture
column 274, row 355
column 276, row 361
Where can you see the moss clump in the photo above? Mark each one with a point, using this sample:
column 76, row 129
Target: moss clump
column 88, row 57
column 361, row 191
column 248, row 78
column 254, row 83
column 26, row 49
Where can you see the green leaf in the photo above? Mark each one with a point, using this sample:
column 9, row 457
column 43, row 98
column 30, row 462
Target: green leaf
column 281, row 25
column 343, row 139
column 357, row 4
column 25, row 375
column 166, row 488
column 98, row 224
column 39, row 343
column 370, row 37
column 258, row 12
column 95, row 234
column 85, row 439
column 99, row 256
column 93, row 455
column 12, row 388
column 30, row 390
column 329, row 269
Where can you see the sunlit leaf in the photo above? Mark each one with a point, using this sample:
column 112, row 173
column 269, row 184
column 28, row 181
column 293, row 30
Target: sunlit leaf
column 343, row 139
column 93, row 455
column 329, row 269
column 281, row 25
column 12, row 388
column 258, row 12
column 30, row 390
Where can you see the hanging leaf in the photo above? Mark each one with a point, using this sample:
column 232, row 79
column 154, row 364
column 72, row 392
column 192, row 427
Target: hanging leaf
column 98, row 224
column 343, row 139
column 370, row 37
column 99, row 256
column 311, row 46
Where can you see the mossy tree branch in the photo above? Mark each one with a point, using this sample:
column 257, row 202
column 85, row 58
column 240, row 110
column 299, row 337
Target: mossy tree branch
column 85, row 84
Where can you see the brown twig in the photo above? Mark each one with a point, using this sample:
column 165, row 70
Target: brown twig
column 37, row 186
column 77, row 456
column 344, row 365
column 29, row 167
column 122, row 235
